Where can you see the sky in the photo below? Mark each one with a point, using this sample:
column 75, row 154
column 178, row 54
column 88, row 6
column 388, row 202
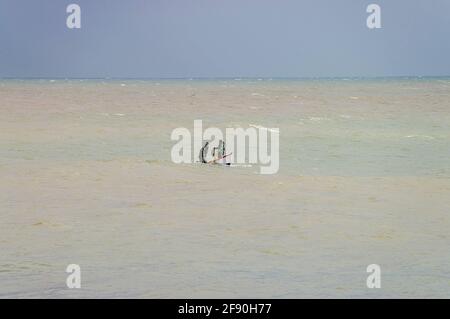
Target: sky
column 223, row 38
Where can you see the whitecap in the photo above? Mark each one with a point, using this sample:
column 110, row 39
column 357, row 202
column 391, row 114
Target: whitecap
column 317, row 119
column 276, row 130
column 427, row 137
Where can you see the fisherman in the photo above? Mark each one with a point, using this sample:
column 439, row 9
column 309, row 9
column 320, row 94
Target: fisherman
column 218, row 154
column 203, row 152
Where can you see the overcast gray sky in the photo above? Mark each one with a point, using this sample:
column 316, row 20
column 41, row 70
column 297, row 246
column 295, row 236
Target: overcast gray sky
column 224, row 38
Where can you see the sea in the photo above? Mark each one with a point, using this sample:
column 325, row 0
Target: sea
column 87, row 178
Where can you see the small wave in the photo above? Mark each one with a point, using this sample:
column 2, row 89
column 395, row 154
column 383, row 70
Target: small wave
column 318, row 119
column 276, row 130
column 427, row 137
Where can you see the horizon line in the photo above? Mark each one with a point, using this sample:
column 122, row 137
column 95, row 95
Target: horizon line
column 226, row 77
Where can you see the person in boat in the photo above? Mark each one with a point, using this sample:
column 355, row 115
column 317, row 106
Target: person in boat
column 218, row 154
column 203, row 152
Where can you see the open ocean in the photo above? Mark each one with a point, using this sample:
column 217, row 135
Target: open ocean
column 86, row 178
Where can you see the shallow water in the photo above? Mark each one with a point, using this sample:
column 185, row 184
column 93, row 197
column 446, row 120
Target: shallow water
column 86, row 178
